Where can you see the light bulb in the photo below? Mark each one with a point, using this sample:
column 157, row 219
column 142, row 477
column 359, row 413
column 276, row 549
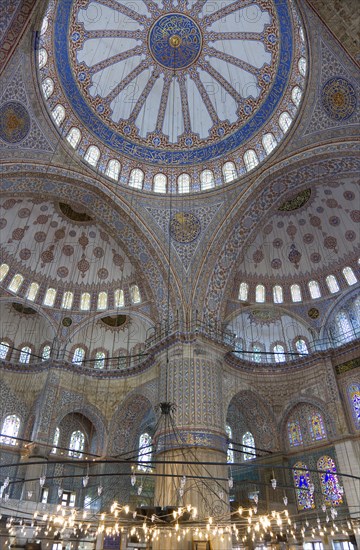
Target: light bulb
column 42, row 480
column 100, row 490
column 60, row 492
column 285, row 499
column 273, row 483
column 139, row 491
column 29, row 494
column 231, row 483
column 85, row 480
column 133, row 479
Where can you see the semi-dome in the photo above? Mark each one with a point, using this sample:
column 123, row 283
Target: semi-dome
column 168, row 97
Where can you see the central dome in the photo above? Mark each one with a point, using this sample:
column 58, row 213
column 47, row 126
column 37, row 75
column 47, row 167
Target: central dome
column 175, row 41
column 158, row 87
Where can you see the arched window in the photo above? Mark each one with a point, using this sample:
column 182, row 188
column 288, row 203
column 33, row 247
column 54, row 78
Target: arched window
column 99, row 360
column 135, row 294
column 145, row 451
column 78, row 356
column 58, row 114
column 243, row 292
column 301, row 346
column 85, row 301
column 229, row 171
column 113, row 169
column 295, row 293
column 354, row 397
column 256, row 355
column 349, row 275
column 316, row 427
column 45, row 354
column 314, row 289
column 44, row 25
column 296, row 95
column 269, row 142
column 260, row 294
column 77, row 444
column 250, row 159
column 230, row 448
column 4, row 270
column 25, row 354
column 248, row 444
column 285, row 121
column 43, row 57
column 302, row 482
column 32, row 291
column 74, row 137
column 67, row 300
column 279, row 351
column 119, row 298
column 4, row 350
column 10, row 429
column 92, row 155
column 345, row 328
column 47, row 87
column 136, row 178
column 329, row 481
column 278, row 294
column 160, row 181
column 294, row 433
column 302, row 66
column 55, row 440
column 16, row 283
column 102, row 300
column 332, row 284
column 184, row 183
column 207, row 180
column 50, row 297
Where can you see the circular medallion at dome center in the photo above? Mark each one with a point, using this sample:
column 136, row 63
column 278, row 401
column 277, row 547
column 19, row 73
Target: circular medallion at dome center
column 175, row 41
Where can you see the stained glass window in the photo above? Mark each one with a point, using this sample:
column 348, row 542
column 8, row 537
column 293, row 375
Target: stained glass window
column 119, row 298
column 349, row 275
column 329, row 481
column 102, row 300
column 296, row 94
column 10, row 429
column 332, row 284
column 25, row 354
column 92, row 155
column 229, row 171
column 207, row 180
column 354, row 396
column 302, row 66
column 344, row 326
column 43, row 57
column 160, row 181
column 67, row 300
column 47, row 87
column 302, row 482
column 294, row 433
column 50, row 297
column 78, row 356
column 4, row 269
column 301, row 347
column 279, row 351
column 45, row 355
column 145, row 450
column 77, row 444
column 58, row 114
column 55, row 440
column 316, row 427
column 85, row 301
column 285, row 121
column 4, row 350
column 136, row 178
column 16, row 282
column 269, row 142
column 248, row 443
column 295, row 293
column 260, row 293
column 135, row 294
column 250, row 159
column 278, row 294
column 113, row 169
column 99, row 360
column 314, row 289
column 230, row 449
column 256, row 356
column 243, row 292
column 74, row 137
column 184, row 183
column 32, row 291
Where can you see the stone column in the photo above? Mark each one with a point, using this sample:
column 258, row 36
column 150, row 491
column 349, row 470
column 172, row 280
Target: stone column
column 194, row 436
column 348, row 459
